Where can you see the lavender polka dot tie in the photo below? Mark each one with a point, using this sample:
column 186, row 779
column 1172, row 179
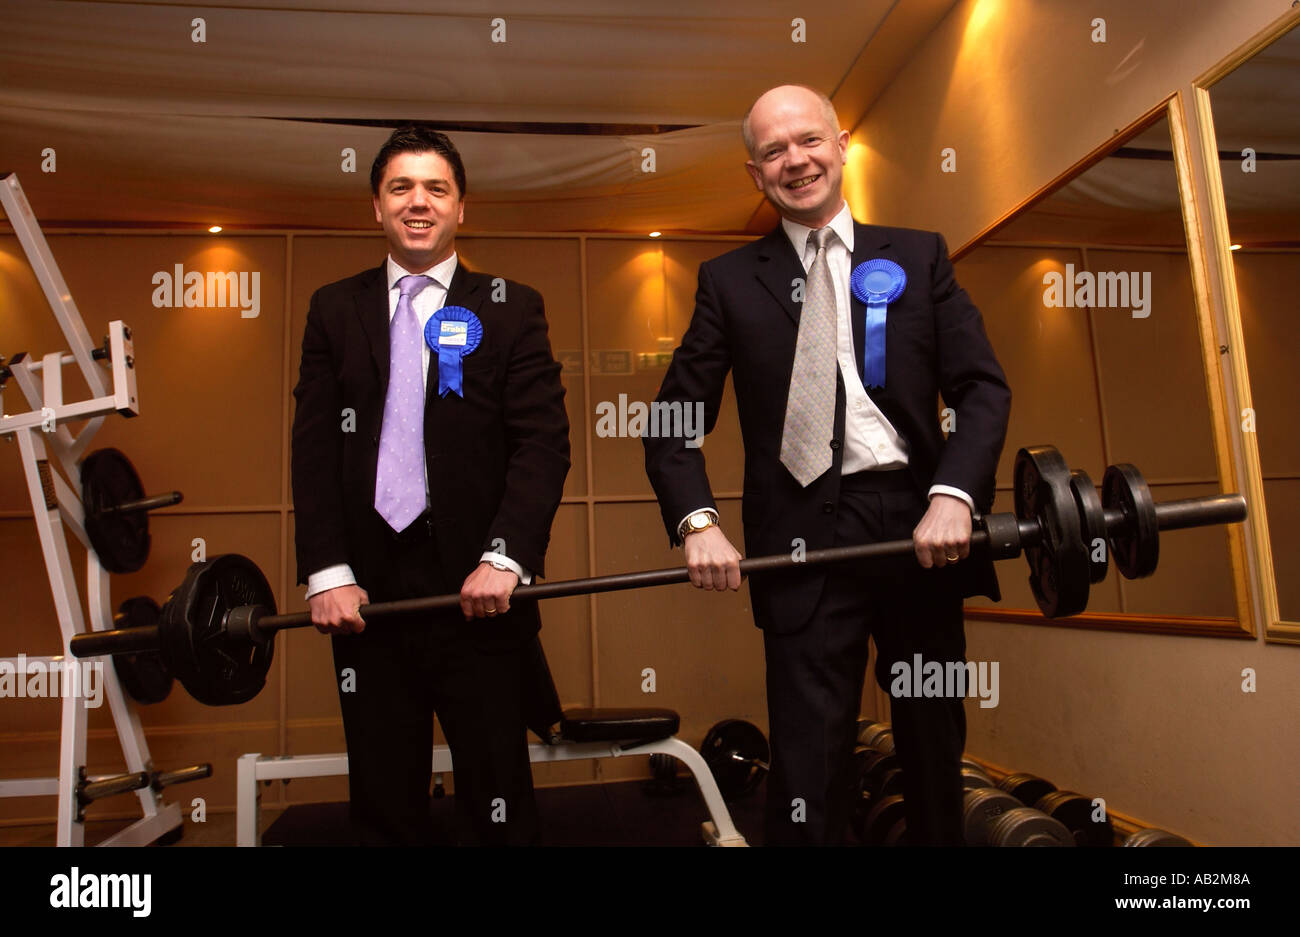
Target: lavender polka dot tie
column 399, row 481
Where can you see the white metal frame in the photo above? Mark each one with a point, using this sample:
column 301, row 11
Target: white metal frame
column 254, row 767
column 41, row 433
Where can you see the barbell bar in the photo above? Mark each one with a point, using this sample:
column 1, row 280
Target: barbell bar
column 217, row 629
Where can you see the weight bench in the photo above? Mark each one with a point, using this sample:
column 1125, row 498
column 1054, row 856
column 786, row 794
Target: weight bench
column 582, row 734
column 567, row 735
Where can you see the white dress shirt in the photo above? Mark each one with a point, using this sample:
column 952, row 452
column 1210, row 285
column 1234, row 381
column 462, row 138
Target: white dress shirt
column 428, row 301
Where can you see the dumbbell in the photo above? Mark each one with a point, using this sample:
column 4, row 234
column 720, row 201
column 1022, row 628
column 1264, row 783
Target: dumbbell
column 1076, row 813
column 974, row 776
column 1026, row 788
column 992, row 817
column 1155, row 837
column 737, row 753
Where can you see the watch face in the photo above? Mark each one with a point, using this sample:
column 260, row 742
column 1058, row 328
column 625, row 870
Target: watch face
column 699, row 521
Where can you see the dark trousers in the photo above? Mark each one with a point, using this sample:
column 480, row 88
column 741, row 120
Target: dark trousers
column 815, row 678
column 471, row 674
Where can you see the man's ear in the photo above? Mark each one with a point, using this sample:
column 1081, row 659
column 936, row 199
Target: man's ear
column 843, row 141
column 755, row 174
column 378, row 216
column 460, row 218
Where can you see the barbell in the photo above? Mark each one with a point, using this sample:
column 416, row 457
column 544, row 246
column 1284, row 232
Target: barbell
column 216, row 631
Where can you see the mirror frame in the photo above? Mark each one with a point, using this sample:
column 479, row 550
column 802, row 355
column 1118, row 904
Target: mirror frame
column 1258, row 554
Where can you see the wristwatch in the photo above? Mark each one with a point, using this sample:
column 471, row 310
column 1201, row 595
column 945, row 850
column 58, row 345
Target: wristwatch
column 501, row 566
column 700, row 520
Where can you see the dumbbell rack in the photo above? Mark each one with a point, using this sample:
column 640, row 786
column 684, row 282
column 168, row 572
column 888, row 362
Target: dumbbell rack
column 42, row 433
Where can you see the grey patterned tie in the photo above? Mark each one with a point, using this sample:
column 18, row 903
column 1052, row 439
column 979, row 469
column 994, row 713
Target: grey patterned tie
column 810, row 406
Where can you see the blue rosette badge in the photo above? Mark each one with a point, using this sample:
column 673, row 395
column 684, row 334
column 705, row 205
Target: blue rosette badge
column 878, row 282
column 453, row 332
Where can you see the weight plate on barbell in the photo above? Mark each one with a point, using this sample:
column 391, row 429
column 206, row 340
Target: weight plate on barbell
column 1076, row 812
column 120, row 540
column 1025, row 826
column 1092, row 523
column 1135, row 544
column 1058, row 564
column 212, row 667
column 144, row 676
column 737, row 753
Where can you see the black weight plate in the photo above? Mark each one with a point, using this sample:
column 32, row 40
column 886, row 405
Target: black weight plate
column 1026, row 788
column 1155, row 838
column 880, row 819
column 1135, row 544
column 214, row 669
column 1026, row 826
column 1092, row 523
column 143, row 676
column 732, row 749
column 120, row 541
column 979, row 809
column 1058, row 564
column 1075, row 811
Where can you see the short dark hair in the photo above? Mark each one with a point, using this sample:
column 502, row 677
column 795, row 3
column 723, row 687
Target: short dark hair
column 415, row 138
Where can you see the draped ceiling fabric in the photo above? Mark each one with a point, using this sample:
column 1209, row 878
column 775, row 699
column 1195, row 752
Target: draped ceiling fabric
column 152, row 128
column 247, row 128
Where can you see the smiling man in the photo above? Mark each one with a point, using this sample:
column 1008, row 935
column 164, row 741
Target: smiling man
column 840, row 338
column 430, row 448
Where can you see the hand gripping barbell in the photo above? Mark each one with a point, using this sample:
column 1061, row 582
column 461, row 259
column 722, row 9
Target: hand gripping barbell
column 216, row 632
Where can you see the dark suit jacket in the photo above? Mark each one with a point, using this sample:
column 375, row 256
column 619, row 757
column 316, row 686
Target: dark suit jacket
column 496, row 458
column 746, row 321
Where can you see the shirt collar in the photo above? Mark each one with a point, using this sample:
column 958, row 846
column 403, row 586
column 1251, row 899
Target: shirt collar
column 441, row 273
column 841, row 224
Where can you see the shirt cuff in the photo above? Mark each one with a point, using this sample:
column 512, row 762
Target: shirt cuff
column 955, row 492
column 706, row 510
column 525, row 577
column 331, row 577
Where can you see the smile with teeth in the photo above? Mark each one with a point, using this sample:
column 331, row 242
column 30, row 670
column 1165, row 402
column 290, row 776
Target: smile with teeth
column 418, row 225
column 805, row 181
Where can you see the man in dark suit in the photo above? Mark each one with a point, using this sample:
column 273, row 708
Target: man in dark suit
column 840, row 338
column 430, row 447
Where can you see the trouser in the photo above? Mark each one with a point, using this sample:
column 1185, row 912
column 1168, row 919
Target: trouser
column 395, row 675
column 815, row 679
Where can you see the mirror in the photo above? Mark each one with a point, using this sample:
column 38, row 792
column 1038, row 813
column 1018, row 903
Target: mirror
column 1088, row 298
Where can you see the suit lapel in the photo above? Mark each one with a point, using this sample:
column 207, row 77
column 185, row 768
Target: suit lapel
column 778, row 267
column 372, row 309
